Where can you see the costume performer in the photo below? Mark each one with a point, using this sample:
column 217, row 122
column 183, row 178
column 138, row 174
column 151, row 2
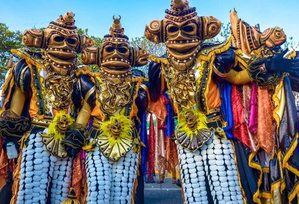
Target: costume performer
column 37, row 102
column 196, row 75
column 264, row 117
column 114, row 99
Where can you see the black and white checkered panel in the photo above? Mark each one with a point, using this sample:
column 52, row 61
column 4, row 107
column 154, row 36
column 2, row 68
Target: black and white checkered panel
column 99, row 177
column 42, row 173
column 212, row 170
column 124, row 173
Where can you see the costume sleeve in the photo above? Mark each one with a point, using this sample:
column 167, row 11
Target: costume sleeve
column 13, row 126
column 230, row 67
column 17, row 76
column 142, row 101
column 155, row 81
column 84, row 90
column 22, row 76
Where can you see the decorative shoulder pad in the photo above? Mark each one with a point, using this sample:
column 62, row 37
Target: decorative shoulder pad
column 22, row 75
column 84, row 89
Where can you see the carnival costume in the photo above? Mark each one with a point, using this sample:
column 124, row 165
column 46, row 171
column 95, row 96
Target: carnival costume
column 37, row 105
column 114, row 99
column 197, row 76
column 264, row 116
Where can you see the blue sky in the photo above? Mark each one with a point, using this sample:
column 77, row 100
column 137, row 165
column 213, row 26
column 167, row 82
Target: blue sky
column 96, row 15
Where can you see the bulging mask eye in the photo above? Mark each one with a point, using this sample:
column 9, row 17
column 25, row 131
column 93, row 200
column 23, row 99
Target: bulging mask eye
column 59, row 39
column 109, row 48
column 188, row 28
column 173, row 29
column 122, row 49
column 71, row 41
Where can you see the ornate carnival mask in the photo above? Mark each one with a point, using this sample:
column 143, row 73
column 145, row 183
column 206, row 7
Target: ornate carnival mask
column 60, row 41
column 183, row 32
column 250, row 38
column 116, row 56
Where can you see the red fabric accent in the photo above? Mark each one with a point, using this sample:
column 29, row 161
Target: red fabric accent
column 79, row 177
column 151, row 150
column 240, row 129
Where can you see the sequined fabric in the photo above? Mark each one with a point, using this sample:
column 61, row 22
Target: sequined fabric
column 266, row 127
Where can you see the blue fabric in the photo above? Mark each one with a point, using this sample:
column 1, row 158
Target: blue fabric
column 143, row 138
column 291, row 107
column 226, row 108
column 169, row 122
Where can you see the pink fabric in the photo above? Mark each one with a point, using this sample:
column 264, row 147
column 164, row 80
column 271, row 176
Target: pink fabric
column 253, row 118
column 240, row 130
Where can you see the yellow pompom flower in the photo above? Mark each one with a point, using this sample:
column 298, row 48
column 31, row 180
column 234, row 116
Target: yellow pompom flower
column 116, row 136
column 190, row 121
column 60, row 124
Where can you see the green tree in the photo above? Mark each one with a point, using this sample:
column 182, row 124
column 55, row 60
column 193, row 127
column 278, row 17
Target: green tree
column 8, row 40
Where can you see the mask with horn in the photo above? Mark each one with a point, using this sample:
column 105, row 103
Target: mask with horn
column 183, row 32
column 116, row 55
column 60, row 41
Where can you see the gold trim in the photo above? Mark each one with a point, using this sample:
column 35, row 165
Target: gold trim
column 258, row 167
column 238, row 173
column 88, row 94
column 115, row 137
column 279, row 103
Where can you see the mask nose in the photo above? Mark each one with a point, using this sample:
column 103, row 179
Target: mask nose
column 180, row 36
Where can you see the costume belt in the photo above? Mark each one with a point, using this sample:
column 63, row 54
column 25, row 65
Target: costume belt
column 43, row 122
column 52, row 138
column 216, row 123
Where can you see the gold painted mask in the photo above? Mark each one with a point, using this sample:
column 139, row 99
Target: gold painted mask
column 116, row 55
column 250, row 38
column 60, row 41
column 183, row 32
column 273, row 37
column 182, row 42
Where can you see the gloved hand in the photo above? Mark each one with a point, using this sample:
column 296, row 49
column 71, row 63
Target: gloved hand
column 225, row 61
column 279, row 64
column 74, row 140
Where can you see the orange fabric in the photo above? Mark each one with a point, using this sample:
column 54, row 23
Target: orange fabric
column 33, row 108
column 96, row 112
column 16, row 180
column 158, row 108
column 79, row 178
column 7, row 88
column 3, row 165
column 266, row 127
column 171, row 157
column 213, row 96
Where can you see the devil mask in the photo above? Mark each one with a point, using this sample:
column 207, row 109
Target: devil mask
column 60, row 41
column 183, row 32
column 115, row 55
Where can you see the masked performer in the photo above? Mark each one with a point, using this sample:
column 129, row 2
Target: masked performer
column 115, row 100
column 195, row 73
column 37, row 97
column 265, row 119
